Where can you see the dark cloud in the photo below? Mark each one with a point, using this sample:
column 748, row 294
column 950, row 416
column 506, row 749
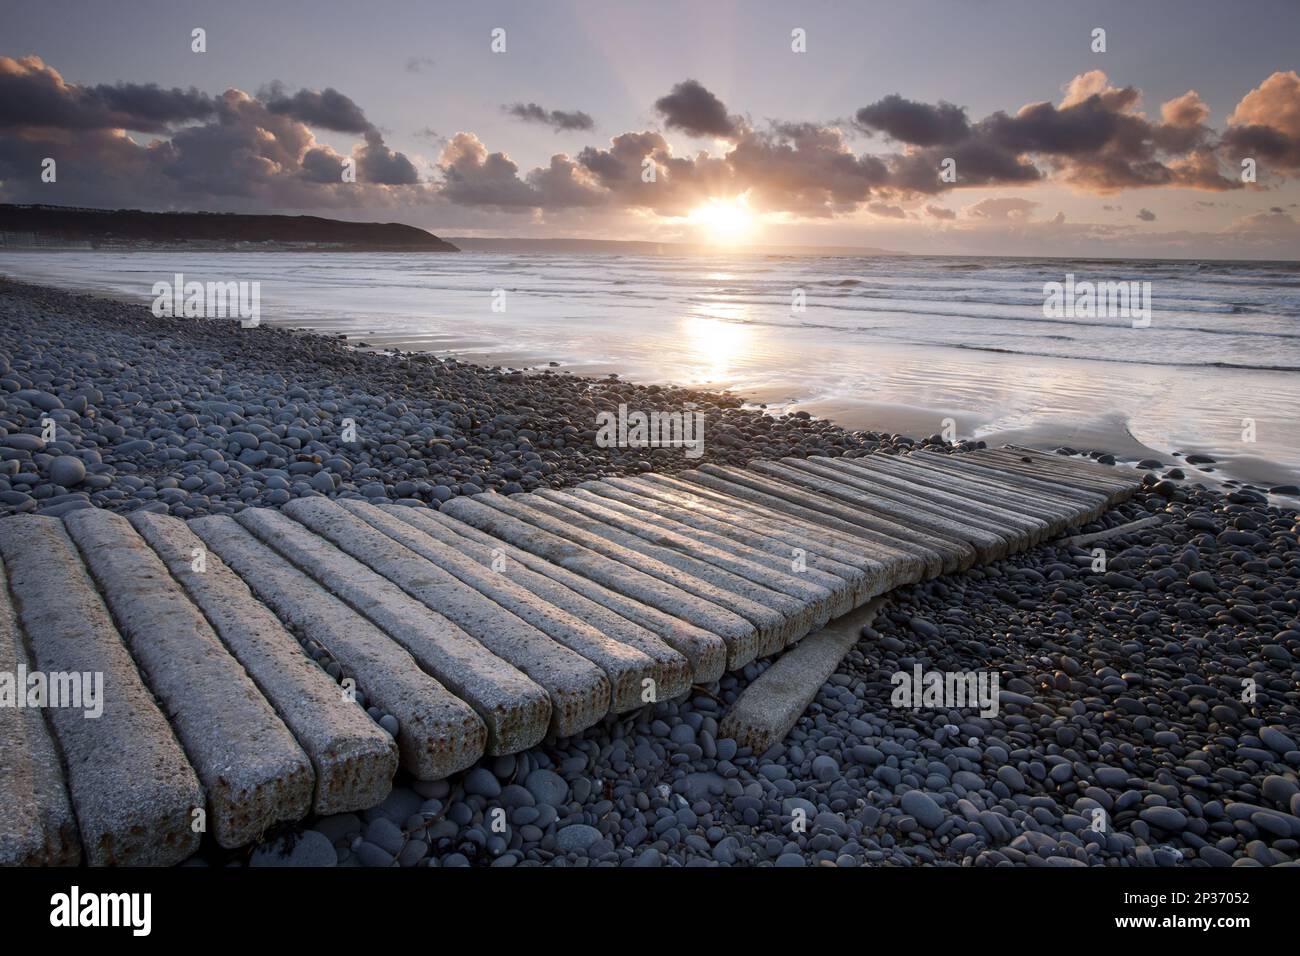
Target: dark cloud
column 35, row 95
column 235, row 151
column 376, row 163
column 918, row 124
column 1146, row 215
column 694, row 110
column 559, row 120
column 325, row 109
column 418, row 64
column 939, row 212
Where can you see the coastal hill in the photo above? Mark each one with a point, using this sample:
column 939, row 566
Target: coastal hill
column 53, row 226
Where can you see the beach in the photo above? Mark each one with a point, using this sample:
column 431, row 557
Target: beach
column 1119, row 691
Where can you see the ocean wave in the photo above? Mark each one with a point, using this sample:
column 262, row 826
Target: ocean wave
column 1127, row 361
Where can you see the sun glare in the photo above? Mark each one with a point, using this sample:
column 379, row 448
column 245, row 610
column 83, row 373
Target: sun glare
column 724, row 220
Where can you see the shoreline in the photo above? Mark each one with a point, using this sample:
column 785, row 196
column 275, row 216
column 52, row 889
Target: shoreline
column 892, row 387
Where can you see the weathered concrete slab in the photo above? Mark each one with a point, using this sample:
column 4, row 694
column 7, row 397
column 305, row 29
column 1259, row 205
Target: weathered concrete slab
column 1123, row 481
column 828, row 592
column 1072, row 463
column 951, row 555
column 705, row 651
column 133, row 790
column 253, row 771
column 958, row 521
column 1085, row 504
column 1013, row 532
column 579, row 690
column 683, row 572
column 769, row 707
column 534, row 535
column 37, row 827
column 1054, row 515
column 634, row 666
column 354, row 759
column 849, row 585
column 438, row 733
column 740, row 577
column 1065, row 473
column 515, row 709
column 1024, row 527
column 988, row 546
column 1080, row 540
column 895, row 565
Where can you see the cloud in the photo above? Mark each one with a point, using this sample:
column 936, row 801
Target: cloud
column 694, row 110
column 33, row 95
column 418, row 64
column 326, row 109
column 919, row 124
column 376, row 163
column 232, row 151
column 1146, row 215
column 559, row 120
column 1266, row 124
column 1002, row 209
column 885, row 210
column 939, row 212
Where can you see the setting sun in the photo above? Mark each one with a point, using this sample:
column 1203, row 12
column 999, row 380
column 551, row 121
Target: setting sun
column 724, row 220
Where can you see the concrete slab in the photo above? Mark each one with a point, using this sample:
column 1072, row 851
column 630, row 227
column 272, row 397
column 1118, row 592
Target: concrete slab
column 895, row 565
column 579, row 690
column 534, row 535
column 741, row 578
column 848, row 584
column 756, row 564
column 682, row 572
column 1077, row 499
column 1122, row 480
column 133, row 790
column 704, row 651
column 37, row 827
column 1054, row 515
column 514, row 708
column 354, row 759
column 1027, row 528
column 1013, row 533
column 768, row 708
column 1063, row 474
column 633, row 659
column 438, row 733
column 952, row 555
column 988, row 546
column 253, row 771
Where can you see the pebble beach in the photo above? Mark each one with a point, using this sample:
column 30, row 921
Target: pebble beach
column 1162, row 691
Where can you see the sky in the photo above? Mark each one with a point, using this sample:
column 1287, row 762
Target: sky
column 1056, row 147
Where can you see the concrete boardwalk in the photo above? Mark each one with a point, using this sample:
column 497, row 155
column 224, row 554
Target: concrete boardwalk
column 236, row 652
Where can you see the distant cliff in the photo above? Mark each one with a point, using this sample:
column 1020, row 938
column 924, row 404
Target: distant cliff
column 69, row 225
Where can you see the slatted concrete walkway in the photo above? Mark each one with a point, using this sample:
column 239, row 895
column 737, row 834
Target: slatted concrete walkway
column 481, row 628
